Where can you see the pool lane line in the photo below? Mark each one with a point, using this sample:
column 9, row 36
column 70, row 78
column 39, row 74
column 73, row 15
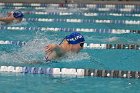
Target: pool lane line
column 86, row 45
column 80, row 72
column 56, row 29
column 74, row 20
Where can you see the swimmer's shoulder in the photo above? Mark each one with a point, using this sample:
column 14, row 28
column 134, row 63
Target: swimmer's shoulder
column 59, row 50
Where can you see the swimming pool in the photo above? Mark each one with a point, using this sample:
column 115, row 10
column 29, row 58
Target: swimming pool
column 100, row 24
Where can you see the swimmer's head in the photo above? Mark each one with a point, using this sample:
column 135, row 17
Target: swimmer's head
column 18, row 14
column 75, row 38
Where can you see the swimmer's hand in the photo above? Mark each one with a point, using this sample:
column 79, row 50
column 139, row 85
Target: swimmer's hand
column 53, row 51
column 50, row 48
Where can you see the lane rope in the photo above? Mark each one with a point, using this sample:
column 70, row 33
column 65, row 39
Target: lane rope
column 86, row 45
column 126, row 22
column 72, row 5
column 129, row 10
column 82, row 14
column 112, row 31
column 72, row 72
column 79, row 14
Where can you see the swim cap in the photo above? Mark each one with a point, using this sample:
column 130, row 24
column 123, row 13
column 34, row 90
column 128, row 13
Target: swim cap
column 75, row 38
column 18, row 14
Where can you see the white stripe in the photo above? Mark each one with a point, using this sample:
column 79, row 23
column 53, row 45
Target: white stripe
column 35, row 4
column 130, row 22
column 17, row 4
column 114, row 31
column 2, row 4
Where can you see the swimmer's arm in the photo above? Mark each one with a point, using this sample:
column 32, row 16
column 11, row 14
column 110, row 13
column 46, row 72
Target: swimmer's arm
column 54, row 47
column 7, row 19
column 53, row 51
column 59, row 51
column 51, row 47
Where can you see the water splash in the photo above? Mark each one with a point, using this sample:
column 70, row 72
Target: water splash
column 34, row 52
column 31, row 52
column 72, row 57
column 23, row 23
column 103, row 39
column 112, row 39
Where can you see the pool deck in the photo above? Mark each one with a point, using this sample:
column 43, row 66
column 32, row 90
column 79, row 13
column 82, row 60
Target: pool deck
column 75, row 1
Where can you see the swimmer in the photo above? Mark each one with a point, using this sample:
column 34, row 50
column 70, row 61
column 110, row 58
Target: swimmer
column 13, row 17
column 71, row 43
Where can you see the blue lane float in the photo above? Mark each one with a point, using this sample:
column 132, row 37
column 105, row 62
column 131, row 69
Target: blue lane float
column 72, row 72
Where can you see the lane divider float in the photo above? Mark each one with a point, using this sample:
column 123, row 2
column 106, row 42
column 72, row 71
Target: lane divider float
column 86, row 45
column 72, row 72
column 103, row 5
column 112, row 31
column 126, row 22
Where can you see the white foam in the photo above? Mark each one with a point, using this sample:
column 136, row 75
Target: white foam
column 32, row 52
column 112, row 39
column 20, row 24
column 72, row 57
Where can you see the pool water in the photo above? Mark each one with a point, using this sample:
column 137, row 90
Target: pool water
column 27, row 55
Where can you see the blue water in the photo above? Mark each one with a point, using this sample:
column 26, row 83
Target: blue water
column 87, row 58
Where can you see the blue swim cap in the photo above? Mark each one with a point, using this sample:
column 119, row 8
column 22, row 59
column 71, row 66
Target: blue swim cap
column 18, row 14
column 75, row 38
